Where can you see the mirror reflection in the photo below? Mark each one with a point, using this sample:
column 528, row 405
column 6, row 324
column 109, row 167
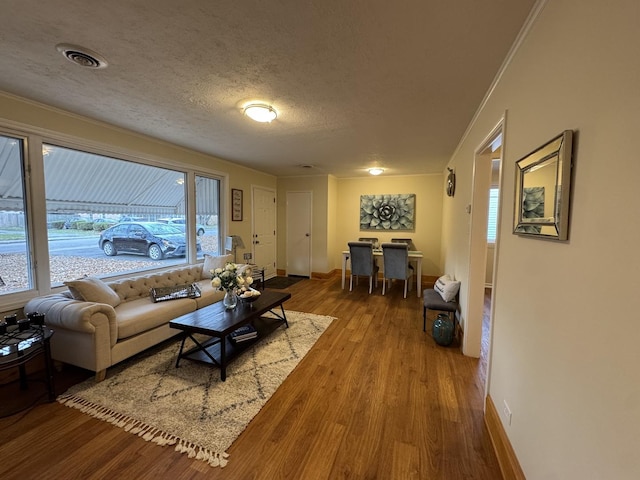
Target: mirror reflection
column 542, row 182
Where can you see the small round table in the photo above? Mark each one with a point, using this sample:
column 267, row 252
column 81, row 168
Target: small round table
column 19, row 347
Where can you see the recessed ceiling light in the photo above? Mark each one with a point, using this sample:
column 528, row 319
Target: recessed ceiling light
column 82, row 56
column 260, row 112
column 376, row 171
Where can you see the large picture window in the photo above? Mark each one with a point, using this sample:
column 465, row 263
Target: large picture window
column 108, row 216
column 207, row 214
column 83, row 213
column 15, row 258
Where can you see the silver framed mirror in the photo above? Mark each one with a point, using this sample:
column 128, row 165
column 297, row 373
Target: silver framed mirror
column 543, row 182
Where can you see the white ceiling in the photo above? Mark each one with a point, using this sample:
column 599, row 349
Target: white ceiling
column 357, row 83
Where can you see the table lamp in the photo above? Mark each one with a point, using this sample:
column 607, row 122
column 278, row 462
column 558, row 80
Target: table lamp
column 232, row 243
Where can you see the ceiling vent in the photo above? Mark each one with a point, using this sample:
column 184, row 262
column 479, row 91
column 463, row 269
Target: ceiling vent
column 82, row 56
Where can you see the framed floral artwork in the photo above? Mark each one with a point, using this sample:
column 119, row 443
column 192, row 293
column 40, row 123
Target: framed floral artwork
column 388, row 212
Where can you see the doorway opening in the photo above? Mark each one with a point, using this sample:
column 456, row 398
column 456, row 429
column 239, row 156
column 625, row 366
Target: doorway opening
column 485, row 220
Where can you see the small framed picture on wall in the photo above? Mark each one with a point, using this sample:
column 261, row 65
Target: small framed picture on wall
column 236, row 205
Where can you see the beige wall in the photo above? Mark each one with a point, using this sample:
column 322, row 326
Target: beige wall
column 336, row 216
column 564, row 351
column 429, row 190
column 37, row 118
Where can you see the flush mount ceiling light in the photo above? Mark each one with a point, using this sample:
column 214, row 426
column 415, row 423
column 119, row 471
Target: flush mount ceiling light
column 260, row 112
column 376, row 170
column 82, row 56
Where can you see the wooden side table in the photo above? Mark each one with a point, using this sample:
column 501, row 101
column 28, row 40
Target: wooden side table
column 19, row 347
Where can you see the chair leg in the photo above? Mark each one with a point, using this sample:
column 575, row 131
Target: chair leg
column 384, row 284
column 405, row 288
column 350, row 283
column 370, row 283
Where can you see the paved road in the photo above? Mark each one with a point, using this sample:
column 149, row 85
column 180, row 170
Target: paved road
column 78, row 246
column 60, row 244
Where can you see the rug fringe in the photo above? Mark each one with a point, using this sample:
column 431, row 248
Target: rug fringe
column 144, row 431
column 215, row 459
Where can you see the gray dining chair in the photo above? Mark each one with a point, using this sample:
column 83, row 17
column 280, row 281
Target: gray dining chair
column 373, row 240
column 409, row 242
column 396, row 265
column 362, row 263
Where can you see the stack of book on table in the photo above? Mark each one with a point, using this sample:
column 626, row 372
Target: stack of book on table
column 244, row 333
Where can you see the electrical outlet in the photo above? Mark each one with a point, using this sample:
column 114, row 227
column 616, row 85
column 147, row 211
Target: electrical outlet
column 247, row 256
column 507, row 412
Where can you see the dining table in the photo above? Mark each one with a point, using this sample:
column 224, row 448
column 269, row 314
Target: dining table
column 415, row 257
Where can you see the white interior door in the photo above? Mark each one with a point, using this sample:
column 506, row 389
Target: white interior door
column 264, row 230
column 299, row 233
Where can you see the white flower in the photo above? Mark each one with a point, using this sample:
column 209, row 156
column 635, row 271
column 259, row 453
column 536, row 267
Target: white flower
column 228, row 278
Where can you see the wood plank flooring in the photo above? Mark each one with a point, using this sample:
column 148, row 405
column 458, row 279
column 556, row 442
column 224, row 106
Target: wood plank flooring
column 375, row 398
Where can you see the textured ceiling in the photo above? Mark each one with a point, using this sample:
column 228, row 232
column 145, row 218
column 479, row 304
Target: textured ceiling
column 357, row 83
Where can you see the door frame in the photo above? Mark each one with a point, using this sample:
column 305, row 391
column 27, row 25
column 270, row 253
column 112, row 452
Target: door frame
column 472, row 339
column 275, row 226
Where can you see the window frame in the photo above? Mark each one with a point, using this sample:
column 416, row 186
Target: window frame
column 33, row 139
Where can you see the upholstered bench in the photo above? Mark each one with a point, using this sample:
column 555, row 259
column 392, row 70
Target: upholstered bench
column 433, row 301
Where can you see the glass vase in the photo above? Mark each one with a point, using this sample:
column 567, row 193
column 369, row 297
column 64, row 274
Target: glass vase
column 230, row 299
column 443, row 330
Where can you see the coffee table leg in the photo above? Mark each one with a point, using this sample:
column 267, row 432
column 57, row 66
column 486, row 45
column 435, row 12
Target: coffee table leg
column 282, row 317
column 184, row 337
column 223, row 358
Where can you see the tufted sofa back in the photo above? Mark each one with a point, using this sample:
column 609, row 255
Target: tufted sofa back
column 139, row 287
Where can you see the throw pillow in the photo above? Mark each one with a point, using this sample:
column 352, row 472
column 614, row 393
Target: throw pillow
column 447, row 287
column 211, row 263
column 92, row 289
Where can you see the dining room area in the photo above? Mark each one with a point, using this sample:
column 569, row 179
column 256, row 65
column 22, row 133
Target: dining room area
column 391, row 262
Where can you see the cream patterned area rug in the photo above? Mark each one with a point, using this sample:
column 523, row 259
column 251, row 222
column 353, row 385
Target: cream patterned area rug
column 190, row 407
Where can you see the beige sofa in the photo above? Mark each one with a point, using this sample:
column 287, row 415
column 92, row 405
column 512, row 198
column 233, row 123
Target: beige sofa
column 122, row 322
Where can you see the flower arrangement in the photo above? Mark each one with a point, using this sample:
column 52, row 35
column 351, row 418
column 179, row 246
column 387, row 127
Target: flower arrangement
column 228, row 278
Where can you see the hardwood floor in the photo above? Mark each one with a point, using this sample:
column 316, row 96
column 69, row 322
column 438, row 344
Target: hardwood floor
column 375, row 398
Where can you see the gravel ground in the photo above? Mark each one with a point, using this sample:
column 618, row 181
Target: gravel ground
column 13, row 267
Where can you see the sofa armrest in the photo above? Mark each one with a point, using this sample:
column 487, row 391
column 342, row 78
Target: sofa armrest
column 86, row 317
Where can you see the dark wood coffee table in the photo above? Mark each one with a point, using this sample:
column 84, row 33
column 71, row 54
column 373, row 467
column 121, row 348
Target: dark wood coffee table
column 217, row 323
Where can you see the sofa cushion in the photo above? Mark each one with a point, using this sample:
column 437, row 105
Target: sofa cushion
column 137, row 316
column 212, row 262
column 92, row 289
